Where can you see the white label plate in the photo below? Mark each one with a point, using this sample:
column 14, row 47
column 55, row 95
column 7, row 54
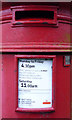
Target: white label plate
column 34, row 83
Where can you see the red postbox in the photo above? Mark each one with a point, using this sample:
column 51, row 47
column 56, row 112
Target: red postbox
column 36, row 60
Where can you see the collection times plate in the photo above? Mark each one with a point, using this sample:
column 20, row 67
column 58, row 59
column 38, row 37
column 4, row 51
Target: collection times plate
column 34, row 83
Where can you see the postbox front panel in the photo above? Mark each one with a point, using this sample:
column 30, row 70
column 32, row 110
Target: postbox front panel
column 10, row 98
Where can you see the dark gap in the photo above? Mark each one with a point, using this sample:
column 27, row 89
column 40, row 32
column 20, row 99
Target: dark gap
column 36, row 53
column 20, row 15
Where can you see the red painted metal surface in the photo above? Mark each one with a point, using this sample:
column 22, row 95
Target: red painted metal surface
column 36, row 41
column 0, row 86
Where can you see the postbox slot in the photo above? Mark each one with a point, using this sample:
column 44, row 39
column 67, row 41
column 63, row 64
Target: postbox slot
column 34, row 15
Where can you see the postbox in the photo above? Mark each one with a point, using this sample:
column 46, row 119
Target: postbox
column 36, row 60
